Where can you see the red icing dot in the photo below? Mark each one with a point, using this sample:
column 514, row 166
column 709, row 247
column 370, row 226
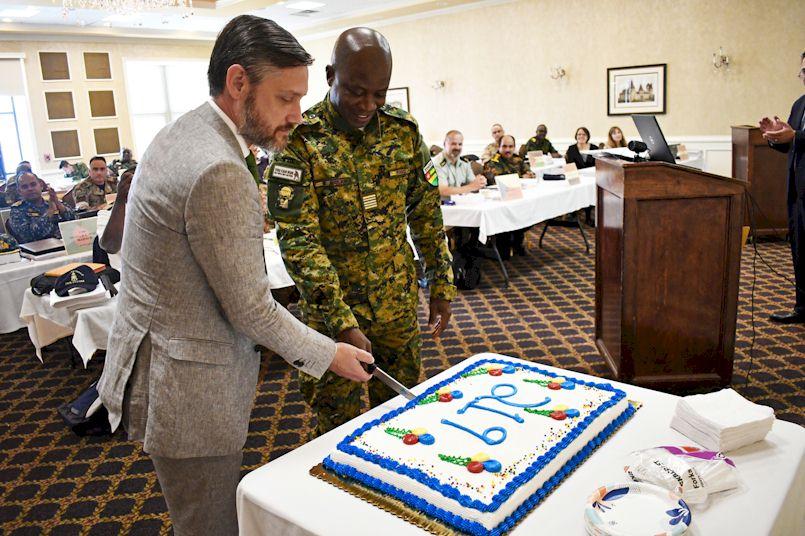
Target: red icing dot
column 475, row 467
column 554, row 386
column 410, row 439
column 559, row 415
column 495, row 372
column 445, row 397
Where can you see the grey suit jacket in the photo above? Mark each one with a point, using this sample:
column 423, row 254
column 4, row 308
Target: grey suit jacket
column 193, row 279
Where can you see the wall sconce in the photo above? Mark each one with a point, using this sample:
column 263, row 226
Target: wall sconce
column 438, row 84
column 557, row 73
column 720, row 59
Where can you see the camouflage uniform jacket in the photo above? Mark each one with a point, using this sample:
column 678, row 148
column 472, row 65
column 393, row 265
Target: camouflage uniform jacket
column 119, row 167
column 31, row 222
column 80, row 172
column 341, row 198
column 93, row 194
column 545, row 146
column 499, row 165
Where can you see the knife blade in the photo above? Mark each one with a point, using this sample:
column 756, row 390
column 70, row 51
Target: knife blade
column 396, row 386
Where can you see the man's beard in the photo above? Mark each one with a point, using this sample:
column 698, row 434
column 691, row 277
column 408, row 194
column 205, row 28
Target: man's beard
column 258, row 132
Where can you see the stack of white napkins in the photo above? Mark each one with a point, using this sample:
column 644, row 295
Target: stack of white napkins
column 80, row 301
column 722, row 421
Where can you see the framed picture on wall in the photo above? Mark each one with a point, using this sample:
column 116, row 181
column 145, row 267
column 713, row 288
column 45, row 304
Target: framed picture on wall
column 102, row 103
column 59, row 105
column 398, row 97
column 54, row 65
column 107, row 140
column 65, row 144
column 96, row 66
column 636, row 90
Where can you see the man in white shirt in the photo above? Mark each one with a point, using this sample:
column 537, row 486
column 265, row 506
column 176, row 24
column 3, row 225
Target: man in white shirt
column 455, row 175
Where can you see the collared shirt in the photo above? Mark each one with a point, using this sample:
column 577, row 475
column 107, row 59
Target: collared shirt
column 244, row 147
column 92, row 194
column 453, row 174
column 31, row 221
column 489, row 152
column 544, row 145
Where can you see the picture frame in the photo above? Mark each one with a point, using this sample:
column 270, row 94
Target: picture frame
column 399, row 98
column 638, row 89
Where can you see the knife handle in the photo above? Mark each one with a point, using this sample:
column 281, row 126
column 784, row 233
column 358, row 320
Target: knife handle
column 369, row 367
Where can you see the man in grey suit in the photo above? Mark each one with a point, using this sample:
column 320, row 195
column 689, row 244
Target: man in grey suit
column 182, row 364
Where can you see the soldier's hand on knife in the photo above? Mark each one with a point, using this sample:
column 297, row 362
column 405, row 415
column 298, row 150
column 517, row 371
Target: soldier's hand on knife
column 356, row 338
column 347, row 363
column 439, row 316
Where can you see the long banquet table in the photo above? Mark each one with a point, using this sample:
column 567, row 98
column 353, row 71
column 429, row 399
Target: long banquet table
column 282, row 498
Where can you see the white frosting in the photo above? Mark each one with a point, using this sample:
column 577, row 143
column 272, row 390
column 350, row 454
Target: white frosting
column 524, row 442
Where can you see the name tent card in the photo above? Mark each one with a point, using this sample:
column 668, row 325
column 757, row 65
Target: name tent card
column 572, row 174
column 510, row 186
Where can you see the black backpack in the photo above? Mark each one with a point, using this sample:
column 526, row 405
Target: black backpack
column 85, row 415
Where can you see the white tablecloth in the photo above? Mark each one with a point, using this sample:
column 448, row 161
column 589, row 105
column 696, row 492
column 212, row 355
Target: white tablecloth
column 15, row 278
column 90, row 327
column 542, row 200
column 282, row 498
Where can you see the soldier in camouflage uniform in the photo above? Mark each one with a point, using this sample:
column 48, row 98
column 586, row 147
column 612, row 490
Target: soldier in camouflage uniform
column 353, row 174
column 32, row 218
column 122, row 164
column 76, row 172
column 540, row 142
column 94, row 190
column 503, row 163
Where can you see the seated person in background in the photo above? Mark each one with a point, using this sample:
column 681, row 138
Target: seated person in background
column 503, row 163
column 76, row 172
column 110, row 222
column 615, row 139
column 10, row 194
column 32, row 218
column 540, row 142
column 122, row 164
column 93, row 191
column 574, row 156
column 492, row 148
column 455, row 175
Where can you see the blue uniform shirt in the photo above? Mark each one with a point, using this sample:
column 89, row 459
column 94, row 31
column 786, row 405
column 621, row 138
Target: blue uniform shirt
column 30, row 221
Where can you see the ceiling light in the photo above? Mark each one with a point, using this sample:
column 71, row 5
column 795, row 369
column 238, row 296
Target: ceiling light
column 304, row 5
column 6, row 19
column 126, row 6
column 18, row 13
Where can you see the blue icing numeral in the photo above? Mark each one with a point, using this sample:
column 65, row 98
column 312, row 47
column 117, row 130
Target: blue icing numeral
column 486, row 436
column 474, row 404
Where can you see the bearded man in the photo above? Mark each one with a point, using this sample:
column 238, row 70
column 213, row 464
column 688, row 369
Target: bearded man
column 195, row 305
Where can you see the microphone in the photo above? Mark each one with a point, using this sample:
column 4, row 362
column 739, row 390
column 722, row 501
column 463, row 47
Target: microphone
column 637, row 146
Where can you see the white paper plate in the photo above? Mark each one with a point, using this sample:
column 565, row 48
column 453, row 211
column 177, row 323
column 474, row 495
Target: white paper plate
column 636, row 509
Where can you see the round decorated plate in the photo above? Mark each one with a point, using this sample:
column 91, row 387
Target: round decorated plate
column 636, row 509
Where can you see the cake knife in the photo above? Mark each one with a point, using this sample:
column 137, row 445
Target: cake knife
column 396, row 386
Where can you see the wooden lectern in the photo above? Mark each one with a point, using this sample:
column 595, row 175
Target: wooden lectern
column 666, row 273
column 765, row 173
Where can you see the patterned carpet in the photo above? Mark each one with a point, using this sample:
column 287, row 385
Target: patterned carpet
column 52, row 482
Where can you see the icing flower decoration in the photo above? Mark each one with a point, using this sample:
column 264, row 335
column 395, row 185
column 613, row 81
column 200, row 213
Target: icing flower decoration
column 559, row 412
column 475, row 464
column 492, row 370
column 555, row 384
column 445, row 394
column 412, row 437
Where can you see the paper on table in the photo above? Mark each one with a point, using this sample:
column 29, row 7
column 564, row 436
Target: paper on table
column 509, row 186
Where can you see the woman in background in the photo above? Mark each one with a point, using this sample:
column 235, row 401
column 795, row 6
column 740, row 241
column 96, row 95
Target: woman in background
column 574, row 156
column 615, row 138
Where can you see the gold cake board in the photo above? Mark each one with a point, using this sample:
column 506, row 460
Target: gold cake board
column 405, row 512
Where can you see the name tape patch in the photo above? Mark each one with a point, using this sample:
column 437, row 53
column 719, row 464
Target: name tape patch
column 286, row 173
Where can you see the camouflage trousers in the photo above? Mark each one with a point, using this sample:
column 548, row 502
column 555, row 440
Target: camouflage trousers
column 396, row 348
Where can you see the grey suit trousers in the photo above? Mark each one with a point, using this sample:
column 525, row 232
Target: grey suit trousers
column 200, row 492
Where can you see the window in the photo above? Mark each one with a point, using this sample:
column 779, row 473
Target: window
column 161, row 91
column 10, row 144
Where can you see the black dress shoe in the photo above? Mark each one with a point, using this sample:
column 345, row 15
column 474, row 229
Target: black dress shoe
column 519, row 251
column 788, row 318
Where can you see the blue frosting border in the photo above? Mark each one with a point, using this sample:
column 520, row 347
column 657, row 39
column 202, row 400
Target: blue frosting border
column 473, row 527
column 451, row 492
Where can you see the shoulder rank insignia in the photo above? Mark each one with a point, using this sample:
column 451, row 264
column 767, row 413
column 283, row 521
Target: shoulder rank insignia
column 431, row 176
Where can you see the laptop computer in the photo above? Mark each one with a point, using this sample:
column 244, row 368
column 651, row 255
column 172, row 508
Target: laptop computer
column 651, row 134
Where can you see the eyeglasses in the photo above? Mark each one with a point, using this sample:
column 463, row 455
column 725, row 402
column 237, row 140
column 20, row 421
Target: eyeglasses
column 801, row 73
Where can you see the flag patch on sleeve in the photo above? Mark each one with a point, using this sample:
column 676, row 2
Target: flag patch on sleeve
column 430, row 173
